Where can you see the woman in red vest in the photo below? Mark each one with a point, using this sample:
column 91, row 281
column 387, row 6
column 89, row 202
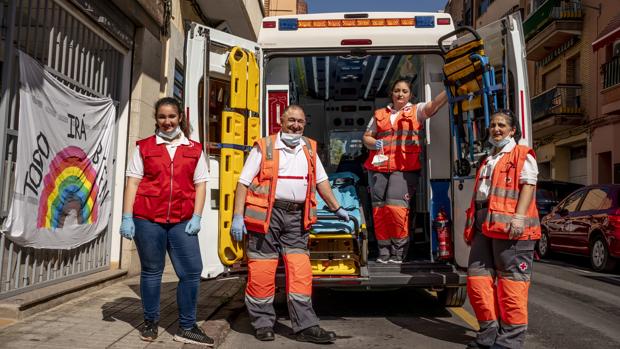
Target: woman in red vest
column 394, row 137
column 164, row 198
column 502, row 228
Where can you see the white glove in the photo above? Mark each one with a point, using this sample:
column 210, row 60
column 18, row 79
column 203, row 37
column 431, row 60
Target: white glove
column 517, row 226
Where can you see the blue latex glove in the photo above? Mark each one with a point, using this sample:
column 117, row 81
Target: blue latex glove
column 128, row 228
column 379, row 144
column 342, row 214
column 237, row 230
column 193, row 226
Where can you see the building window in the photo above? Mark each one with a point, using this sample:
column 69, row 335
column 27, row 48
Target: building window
column 579, row 152
column 177, row 89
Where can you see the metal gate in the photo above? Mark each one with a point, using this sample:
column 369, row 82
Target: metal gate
column 76, row 50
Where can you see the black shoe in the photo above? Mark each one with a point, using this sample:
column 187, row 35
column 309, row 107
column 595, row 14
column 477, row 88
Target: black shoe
column 383, row 259
column 148, row 332
column 476, row 345
column 396, row 260
column 194, row 335
column 315, row 334
column 264, row 334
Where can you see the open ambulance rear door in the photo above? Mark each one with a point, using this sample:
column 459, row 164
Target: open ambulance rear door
column 505, row 47
column 222, row 101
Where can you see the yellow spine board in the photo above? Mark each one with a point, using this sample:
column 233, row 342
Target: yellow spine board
column 238, row 62
column 253, row 130
column 253, row 80
column 231, row 163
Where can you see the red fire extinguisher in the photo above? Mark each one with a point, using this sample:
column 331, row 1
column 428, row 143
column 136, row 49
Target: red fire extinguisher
column 444, row 238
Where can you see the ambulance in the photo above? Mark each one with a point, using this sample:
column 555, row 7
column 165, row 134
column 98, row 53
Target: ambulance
column 339, row 68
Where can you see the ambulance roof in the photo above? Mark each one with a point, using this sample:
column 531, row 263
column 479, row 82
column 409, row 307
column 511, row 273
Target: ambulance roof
column 341, row 30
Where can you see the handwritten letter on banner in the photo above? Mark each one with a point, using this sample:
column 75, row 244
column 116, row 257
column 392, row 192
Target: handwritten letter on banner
column 64, row 171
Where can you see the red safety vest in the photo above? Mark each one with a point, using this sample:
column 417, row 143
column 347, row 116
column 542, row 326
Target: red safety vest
column 166, row 192
column 262, row 191
column 401, row 142
column 503, row 198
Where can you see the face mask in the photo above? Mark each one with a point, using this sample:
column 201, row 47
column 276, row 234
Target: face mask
column 169, row 135
column 501, row 143
column 290, row 139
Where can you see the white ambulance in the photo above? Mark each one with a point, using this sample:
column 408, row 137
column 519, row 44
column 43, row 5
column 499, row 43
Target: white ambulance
column 339, row 67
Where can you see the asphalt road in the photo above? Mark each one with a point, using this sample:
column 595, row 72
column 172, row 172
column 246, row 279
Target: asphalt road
column 570, row 307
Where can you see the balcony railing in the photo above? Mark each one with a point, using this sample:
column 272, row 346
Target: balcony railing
column 560, row 100
column 548, row 12
column 611, row 72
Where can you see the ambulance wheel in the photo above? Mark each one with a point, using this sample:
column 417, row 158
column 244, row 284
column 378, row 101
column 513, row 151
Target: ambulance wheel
column 452, row 296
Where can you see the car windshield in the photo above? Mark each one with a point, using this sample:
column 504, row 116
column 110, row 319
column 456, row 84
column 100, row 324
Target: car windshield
column 545, row 194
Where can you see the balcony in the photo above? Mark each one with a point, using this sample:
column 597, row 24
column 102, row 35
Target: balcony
column 550, row 25
column 556, row 110
column 611, row 86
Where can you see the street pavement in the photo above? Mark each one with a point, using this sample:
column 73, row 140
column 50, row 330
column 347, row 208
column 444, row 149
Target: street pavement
column 570, row 306
column 110, row 318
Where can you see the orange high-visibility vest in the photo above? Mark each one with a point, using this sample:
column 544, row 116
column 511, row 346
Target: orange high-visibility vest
column 262, row 191
column 503, row 199
column 401, row 141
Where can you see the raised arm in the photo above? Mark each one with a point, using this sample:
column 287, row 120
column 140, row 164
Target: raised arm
column 435, row 104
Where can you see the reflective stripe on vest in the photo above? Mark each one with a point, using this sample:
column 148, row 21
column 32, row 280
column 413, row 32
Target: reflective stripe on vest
column 503, row 198
column 261, row 192
column 401, row 141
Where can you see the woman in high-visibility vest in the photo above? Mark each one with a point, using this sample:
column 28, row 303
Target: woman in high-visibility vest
column 394, row 137
column 163, row 202
column 502, row 228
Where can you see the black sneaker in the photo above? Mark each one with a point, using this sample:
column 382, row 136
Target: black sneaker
column 315, row 334
column 265, row 334
column 382, row 260
column 148, row 332
column 396, row 260
column 194, row 335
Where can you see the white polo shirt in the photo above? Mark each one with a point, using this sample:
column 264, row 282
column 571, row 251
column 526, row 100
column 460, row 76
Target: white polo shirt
column 136, row 167
column 293, row 163
column 529, row 173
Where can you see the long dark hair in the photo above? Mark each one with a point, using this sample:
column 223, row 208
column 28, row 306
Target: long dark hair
column 399, row 80
column 183, row 124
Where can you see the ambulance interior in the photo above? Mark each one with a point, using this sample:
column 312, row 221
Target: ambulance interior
column 339, row 94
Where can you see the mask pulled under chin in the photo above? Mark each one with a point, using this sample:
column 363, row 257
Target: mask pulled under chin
column 290, row 139
column 501, row 143
column 169, row 135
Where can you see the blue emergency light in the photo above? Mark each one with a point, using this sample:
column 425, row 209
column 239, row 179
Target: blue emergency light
column 424, row 21
column 288, row 24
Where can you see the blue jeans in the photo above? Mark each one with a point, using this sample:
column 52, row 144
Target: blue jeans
column 152, row 240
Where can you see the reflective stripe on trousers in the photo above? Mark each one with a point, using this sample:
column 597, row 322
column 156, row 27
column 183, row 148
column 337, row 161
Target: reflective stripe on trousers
column 391, row 196
column 287, row 237
column 501, row 308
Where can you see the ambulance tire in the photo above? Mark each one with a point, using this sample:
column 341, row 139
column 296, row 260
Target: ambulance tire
column 452, row 296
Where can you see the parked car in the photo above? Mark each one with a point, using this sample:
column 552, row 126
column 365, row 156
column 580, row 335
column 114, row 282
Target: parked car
column 587, row 222
column 550, row 192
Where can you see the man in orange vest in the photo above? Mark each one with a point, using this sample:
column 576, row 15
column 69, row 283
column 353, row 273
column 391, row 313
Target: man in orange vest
column 276, row 202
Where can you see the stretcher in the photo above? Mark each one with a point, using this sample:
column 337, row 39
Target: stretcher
column 472, row 94
column 338, row 247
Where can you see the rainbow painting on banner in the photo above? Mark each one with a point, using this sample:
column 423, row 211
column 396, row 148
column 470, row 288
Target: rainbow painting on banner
column 70, row 185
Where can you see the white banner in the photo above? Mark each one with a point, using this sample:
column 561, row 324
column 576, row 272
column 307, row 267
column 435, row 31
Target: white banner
column 64, row 171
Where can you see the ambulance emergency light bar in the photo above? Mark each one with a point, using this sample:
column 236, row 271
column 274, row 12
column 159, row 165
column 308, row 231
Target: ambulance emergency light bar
column 290, row 24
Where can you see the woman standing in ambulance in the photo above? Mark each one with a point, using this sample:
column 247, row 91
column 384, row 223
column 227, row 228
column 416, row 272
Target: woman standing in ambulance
column 164, row 198
column 394, row 137
column 502, row 228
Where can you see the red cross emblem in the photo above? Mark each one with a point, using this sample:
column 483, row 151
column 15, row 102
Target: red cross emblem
column 523, row 266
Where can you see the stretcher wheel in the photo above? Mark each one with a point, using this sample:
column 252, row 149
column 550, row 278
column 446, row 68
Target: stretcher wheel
column 462, row 167
column 452, row 296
